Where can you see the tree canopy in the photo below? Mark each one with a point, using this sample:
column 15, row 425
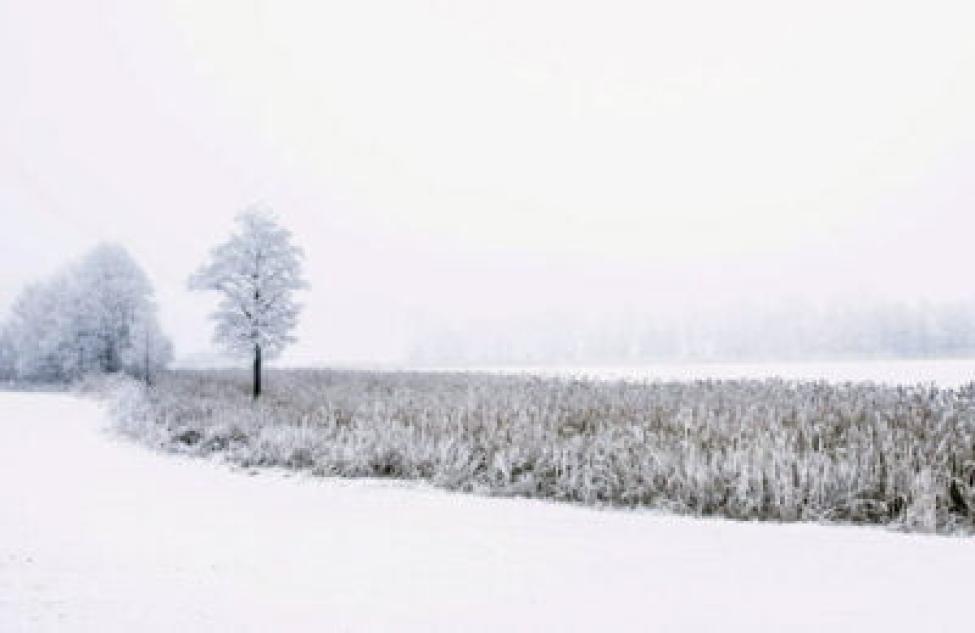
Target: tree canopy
column 97, row 315
column 256, row 272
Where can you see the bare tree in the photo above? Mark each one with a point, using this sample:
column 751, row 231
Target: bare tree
column 8, row 358
column 256, row 271
column 149, row 350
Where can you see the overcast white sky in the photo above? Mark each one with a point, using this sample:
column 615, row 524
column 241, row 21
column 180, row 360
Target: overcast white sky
column 445, row 162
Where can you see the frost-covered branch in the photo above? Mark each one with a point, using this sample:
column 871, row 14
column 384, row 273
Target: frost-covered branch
column 256, row 271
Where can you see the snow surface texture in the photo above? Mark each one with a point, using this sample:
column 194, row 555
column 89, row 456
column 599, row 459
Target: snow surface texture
column 98, row 534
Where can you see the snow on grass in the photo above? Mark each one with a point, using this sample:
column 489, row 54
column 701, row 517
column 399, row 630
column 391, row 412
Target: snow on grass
column 944, row 372
column 98, row 534
column 744, row 449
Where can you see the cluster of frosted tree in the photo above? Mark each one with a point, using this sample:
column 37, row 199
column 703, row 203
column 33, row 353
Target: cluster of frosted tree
column 96, row 316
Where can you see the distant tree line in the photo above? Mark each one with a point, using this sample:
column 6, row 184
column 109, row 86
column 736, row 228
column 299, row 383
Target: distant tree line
column 802, row 331
column 96, row 316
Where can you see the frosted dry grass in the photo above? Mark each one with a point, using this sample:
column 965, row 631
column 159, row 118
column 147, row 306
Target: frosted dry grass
column 773, row 449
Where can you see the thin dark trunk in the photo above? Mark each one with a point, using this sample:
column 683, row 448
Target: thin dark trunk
column 257, row 371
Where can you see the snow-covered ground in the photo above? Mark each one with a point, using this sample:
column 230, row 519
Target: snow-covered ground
column 97, row 534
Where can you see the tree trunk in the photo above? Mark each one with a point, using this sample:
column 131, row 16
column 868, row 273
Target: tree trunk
column 257, row 371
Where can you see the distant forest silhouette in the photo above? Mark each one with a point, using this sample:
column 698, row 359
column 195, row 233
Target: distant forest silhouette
column 880, row 330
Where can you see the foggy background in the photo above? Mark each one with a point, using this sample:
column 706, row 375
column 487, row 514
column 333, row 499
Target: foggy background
column 514, row 182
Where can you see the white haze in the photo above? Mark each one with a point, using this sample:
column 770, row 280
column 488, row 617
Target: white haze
column 446, row 165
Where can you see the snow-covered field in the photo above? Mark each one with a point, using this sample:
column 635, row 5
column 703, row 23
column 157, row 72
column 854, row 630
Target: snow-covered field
column 97, row 534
